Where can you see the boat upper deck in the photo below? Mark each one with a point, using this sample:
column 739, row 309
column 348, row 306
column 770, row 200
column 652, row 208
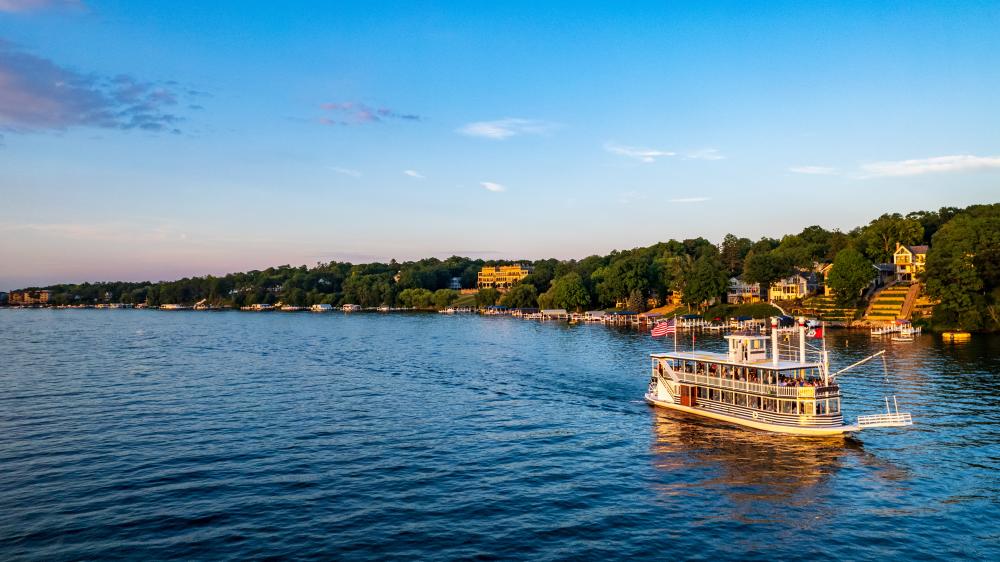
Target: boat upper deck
column 724, row 359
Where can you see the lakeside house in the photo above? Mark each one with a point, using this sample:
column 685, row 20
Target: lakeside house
column 502, row 277
column 909, row 261
column 455, row 284
column 797, row 286
column 740, row 292
column 351, row 307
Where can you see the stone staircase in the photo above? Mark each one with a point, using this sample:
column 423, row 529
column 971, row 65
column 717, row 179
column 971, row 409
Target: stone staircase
column 889, row 304
column 826, row 308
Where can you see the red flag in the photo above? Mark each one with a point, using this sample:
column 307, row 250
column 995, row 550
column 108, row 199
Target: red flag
column 815, row 333
column 663, row 328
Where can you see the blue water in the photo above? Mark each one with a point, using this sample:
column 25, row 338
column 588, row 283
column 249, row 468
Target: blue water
column 154, row 435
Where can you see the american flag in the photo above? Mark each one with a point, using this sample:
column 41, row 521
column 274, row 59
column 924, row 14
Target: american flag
column 664, row 328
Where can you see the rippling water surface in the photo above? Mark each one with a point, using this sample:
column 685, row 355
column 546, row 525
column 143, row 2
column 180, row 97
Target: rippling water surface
column 148, row 434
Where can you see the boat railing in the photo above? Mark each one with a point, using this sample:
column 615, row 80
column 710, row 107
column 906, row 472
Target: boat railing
column 759, row 388
column 891, row 419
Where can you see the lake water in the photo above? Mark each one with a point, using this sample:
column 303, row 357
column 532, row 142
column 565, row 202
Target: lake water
column 152, row 435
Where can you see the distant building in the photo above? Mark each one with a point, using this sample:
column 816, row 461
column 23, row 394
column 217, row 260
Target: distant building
column 3, row 298
column 740, row 292
column 909, row 261
column 798, row 286
column 456, row 284
column 825, row 272
column 29, row 297
column 502, row 277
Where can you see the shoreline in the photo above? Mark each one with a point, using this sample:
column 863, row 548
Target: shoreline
column 620, row 320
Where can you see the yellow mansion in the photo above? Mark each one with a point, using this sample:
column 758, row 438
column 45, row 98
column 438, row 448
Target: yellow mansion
column 502, row 277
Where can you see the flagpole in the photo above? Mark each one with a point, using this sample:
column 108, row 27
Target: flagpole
column 675, row 333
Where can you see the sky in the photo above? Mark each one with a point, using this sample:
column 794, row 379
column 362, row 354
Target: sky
column 156, row 140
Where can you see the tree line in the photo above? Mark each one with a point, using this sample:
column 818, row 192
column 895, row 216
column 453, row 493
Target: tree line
column 963, row 273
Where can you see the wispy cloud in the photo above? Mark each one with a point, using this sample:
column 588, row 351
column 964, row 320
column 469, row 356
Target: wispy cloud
column 37, row 94
column 20, row 6
column 647, row 155
column 414, row 174
column 813, row 170
column 356, row 113
column 938, row 164
column 704, row 154
column 346, row 171
column 505, row 128
column 690, row 200
column 494, row 187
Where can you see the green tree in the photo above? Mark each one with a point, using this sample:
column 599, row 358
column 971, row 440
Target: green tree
column 766, row 268
column 733, row 251
column 636, row 301
column 487, row 297
column 879, row 238
column 707, row 281
column 569, row 292
column 963, row 270
column 624, row 275
column 444, row 297
column 416, row 298
column 520, row 296
column 850, row 274
column 295, row 297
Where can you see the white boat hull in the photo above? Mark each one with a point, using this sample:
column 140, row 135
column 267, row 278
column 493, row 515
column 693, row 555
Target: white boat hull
column 755, row 424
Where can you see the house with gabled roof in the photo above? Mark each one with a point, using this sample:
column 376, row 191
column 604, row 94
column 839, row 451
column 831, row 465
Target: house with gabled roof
column 798, row 286
column 909, row 261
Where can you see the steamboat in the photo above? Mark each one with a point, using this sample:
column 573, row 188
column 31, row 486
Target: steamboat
column 756, row 386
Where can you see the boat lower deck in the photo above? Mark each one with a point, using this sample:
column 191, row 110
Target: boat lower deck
column 765, row 421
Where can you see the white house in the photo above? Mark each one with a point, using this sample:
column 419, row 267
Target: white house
column 740, row 292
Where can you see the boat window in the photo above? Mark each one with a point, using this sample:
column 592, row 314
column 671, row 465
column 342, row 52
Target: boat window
column 788, row 406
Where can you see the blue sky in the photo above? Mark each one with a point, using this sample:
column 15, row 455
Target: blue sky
column 147, row 140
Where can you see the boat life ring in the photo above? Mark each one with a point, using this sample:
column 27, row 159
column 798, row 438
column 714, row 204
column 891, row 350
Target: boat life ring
column 756, row 415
